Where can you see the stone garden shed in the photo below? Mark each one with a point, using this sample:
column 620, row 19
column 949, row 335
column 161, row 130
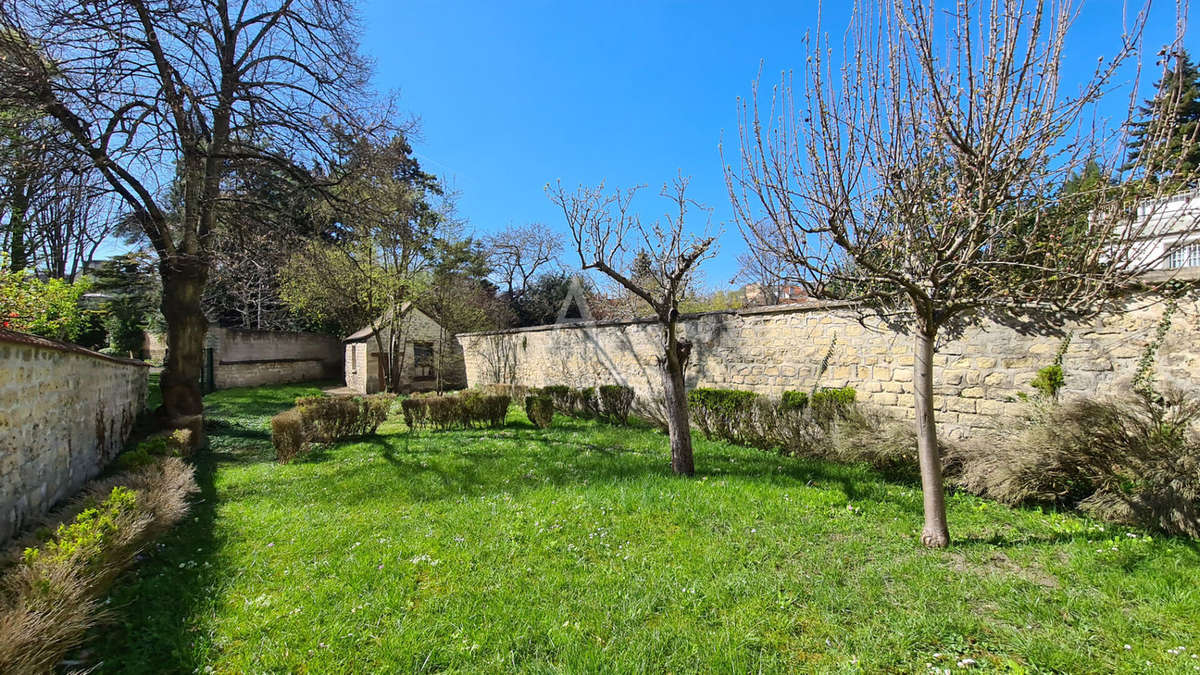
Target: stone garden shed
column 433, row 358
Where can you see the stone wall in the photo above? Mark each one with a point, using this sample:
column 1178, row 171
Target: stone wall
column 252, row 358
column 768, row 350
column 64, row 413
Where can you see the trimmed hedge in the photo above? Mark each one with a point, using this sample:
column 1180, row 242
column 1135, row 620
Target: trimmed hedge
column 287, row 434
column 719, row 412
column 794, row 400
column 830, row 403
column 616, row 400
column 467, row 410
column 539, row 408
column 327, row 419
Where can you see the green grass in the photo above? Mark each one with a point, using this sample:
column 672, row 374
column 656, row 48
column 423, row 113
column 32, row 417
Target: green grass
column 574, row 550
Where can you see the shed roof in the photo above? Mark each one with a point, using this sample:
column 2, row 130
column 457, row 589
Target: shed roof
column 369, row 330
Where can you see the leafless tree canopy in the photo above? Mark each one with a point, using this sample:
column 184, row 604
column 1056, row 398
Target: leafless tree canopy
column 931, row 160
column 518, row 252
column 606, row 233
column 167, row 96
column 145, row 85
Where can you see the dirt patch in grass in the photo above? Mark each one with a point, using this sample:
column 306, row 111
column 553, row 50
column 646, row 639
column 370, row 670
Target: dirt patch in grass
column 996, row 563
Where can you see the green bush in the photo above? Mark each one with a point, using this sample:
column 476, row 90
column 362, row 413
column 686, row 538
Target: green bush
column 333, row 418
column 375, row 410
column 469, row 409
column 833, row 404
column 147, row 452
column 616, row 400
column 1049, row 381
column 288, row 434
column 539, row 408
column 720, row 412
column 565, row 399
column 794, row 400
column 415, row 411
column 588, row 405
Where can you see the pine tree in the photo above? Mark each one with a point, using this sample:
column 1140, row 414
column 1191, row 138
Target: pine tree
column 1164, row 139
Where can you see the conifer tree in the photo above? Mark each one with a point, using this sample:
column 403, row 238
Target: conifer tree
column 1165, row 137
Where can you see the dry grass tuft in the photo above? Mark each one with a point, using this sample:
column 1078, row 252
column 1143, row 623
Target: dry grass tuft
column 49, row 588
column 1131, row 459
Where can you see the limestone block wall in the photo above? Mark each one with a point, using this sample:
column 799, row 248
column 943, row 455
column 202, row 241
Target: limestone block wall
column 252, row 358
column 769, row 350
column 64, row 413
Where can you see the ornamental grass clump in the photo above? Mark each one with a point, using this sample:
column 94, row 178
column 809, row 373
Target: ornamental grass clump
column 51, row 585
column 1132, row 459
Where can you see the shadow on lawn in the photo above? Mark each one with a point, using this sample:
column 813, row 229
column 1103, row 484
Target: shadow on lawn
column 438, row 465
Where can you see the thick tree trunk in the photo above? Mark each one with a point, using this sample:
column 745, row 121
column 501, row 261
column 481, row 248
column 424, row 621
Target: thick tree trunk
column 936, row 533
column 675, row 391
column 183, row 279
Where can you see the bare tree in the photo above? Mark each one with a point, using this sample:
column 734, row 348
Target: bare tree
column 158, row 91
column 602, row 228
column 517, row 252
column 925, row 176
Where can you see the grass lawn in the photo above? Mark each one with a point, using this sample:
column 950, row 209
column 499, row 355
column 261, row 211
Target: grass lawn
column 574, row 550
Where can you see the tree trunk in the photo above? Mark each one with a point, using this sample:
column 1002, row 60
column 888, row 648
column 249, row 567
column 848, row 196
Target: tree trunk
column 936, row 534
column 18, row 254
column 183, row 279
column 675, row 391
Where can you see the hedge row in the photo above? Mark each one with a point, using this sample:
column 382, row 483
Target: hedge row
column 466, row 410
column 611, row 402
column 752, row 419
column 327, row 419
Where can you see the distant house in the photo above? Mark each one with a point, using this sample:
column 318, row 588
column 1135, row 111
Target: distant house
column 432, row 358
column 1171, row 229
column 758, row 295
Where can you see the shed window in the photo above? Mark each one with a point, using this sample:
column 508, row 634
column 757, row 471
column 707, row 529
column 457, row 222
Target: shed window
column 353, row 359
column 422, row 360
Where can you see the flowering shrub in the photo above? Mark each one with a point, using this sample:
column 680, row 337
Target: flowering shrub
column 48, row 308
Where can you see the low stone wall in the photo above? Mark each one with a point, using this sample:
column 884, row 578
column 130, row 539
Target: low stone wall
column 978, row 371
column 260, row 373
column 64, row 413
column 254, row 358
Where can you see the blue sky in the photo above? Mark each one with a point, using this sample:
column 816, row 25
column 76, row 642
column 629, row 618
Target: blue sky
column 512, row 95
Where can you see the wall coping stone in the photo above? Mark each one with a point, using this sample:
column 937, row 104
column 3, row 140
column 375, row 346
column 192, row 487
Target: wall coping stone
column 797, row 308
column 261, row 361
column 13, row 337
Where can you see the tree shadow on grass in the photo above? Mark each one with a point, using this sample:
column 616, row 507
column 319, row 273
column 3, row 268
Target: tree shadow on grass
column 437, row 465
